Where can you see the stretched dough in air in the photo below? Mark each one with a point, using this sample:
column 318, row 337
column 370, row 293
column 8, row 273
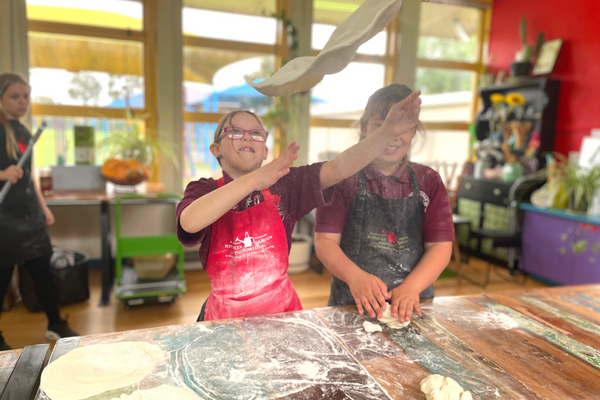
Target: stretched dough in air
column 302, row 73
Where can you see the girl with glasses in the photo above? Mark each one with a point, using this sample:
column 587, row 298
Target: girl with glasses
column 244, row 220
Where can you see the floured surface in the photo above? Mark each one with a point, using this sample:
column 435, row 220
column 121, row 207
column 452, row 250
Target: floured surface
column 93, row 370
column 163, row 392
column 303, row 73
column 573, row 312
column 490, row 349
column 304, row 360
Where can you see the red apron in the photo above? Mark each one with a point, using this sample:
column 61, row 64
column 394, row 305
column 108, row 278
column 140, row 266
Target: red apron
column 247, row 264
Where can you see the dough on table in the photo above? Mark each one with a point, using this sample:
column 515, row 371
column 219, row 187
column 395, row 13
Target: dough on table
column 371, row 327
column 91, row 370
column 302, row 73
column 390, row 321
column 436, row 387
column 163, row 392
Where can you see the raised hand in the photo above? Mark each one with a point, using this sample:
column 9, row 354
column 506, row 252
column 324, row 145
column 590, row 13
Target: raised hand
column 269, row 174
column 403, row 117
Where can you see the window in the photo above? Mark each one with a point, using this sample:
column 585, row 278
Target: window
column 79, row 71
column 224, row 42
column 88, row 62
column 448, row 32
column 121, row 14
column 214, row 79
column 58, row 142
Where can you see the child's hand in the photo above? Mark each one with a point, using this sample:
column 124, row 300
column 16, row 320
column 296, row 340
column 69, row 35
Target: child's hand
column 403, row 117
column 11, row 174
column 269, row 174
column 369, row 292
column 49, row 216
column 404, row 301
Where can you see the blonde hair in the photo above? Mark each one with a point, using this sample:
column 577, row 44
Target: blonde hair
column 11, row 142
column 382, row 100
column 227, row 120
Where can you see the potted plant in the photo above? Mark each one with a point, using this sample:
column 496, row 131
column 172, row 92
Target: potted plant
column 575, row 185
column 522, row 64
column 133, row 153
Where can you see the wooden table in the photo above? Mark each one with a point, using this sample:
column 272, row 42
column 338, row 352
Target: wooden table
column 538, row 344
column 20, row 371
column 104, row 199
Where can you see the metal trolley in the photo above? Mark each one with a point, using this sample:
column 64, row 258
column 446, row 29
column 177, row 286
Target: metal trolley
column 130, row 288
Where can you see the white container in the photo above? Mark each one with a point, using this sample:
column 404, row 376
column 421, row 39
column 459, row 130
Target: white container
column 77, row 177
column 299, row 259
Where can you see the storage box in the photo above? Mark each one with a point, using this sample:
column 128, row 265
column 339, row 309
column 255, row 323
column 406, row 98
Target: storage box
column 77, row 177
column 153, row 267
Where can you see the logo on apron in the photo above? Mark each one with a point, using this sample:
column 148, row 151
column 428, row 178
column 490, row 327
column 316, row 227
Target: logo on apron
column 387, row 241
column 424, row 197
column 248, row 245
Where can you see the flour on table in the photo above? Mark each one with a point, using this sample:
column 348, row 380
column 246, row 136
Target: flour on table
column 436, row 387
column 308, row 369
column 92, row 370
column 162, row 392
column 390, row 321
column 370, row 327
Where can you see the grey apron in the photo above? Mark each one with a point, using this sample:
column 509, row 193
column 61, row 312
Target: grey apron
column 384, row 237
column 23, row 234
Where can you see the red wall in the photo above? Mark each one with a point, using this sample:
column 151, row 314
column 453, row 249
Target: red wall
column 578, row 64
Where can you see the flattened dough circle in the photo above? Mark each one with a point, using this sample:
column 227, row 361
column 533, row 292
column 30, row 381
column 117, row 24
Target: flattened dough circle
column 91, row 370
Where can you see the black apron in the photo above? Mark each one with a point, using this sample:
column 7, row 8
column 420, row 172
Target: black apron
column 23, row 234
column 384, row 237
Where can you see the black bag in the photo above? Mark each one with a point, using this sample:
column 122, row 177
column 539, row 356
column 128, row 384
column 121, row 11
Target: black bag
column 69, row 270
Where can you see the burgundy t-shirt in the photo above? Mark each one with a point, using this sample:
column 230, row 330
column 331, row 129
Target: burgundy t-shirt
column 437, row 226
column 296, row 194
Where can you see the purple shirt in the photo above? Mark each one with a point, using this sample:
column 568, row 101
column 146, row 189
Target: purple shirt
column 296, row 194
column 437, row 225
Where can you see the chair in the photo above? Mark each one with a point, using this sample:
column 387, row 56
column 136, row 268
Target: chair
column 456, row 219
column 509, row 239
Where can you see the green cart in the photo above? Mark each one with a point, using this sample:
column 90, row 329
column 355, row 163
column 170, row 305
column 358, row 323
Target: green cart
column 130, row 286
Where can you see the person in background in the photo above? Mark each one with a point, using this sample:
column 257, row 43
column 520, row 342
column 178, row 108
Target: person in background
column 244, row 220
column 24, row 215
column 388, row 233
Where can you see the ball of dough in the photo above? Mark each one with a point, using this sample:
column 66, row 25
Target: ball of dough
column 466, row 396
column 435, row 395
column 432, row 382
column 451, row 392
column 450, row 382
column 390, row 321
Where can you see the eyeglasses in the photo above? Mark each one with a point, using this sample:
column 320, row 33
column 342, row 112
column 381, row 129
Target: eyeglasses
column 258, row 135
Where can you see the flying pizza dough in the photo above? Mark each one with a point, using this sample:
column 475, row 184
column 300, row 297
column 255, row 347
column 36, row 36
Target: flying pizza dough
column 163, row 392
column 303, row 73
column 390, row 321
column 436, row 387
column 91, row 370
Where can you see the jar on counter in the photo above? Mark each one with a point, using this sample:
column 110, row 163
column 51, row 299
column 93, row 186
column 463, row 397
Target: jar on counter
column 46, row 181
